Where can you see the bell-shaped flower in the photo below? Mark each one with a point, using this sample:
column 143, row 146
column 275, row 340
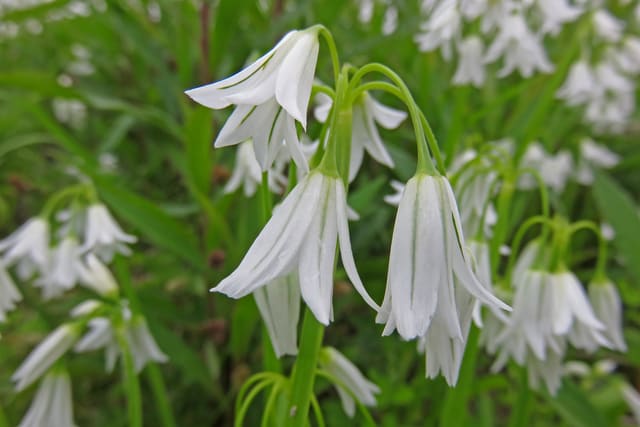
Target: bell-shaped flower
column 555, row 169
column 28, row 247
column 247, row 173
column 350, row 382
column 607, row 306
column 102, row 334
column 367, row 112
column 556, row 13
column 607, row 26
column 579, row 85
column 429, row 269
column 63, row 269
column 285, row 73
column 103, row 235
column 471, row 68
column 521, row 48
column 279, row 305
column 442, row 27
column 45, row 355
column 9, row 294
column 593, row 155
column 301, row 236
column 52, row 404
column 267, row 125
column 97, row 277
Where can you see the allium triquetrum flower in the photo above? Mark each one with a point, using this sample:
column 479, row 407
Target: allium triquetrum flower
column 103, row 235
column 28, row 247
column 52, row 404
column 301, row 235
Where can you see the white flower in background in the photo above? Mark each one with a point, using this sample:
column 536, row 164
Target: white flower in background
column 613, row 100
column 628, row 56
column 9, row 294
column 394, row 199
column 97, row 277
column 607, row 26
column 471, row 9
column 301, row 235
column 284, row 73
column 548, row 371
column 267, row 125
column 63, row 269
column 553, row 169
column 521, row 48
column 607, row 306
column 350, row 382
column 364, row 133
column 103, row 235
column 28, row 246
column 431, row 287
column 390, row 21
column 608, row 232
column 556, row 13
column 70, row 112
column 52, row 404
column 481, row 266
column 441, row 29
column 44, row 355
column 580, row 84
column 471, row 69
column 593, row 155
column 632, row 397
column 279, row 305
column 101, row 334
column 365, row 11
column 248, row 174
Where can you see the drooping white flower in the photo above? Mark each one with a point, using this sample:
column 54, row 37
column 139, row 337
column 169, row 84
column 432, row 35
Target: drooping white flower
column 364, row 133
column 9, row 294
column 431, row 287
column 365, row 11
column 471, row 69
column 553, row 169
column 390, row 20
column 44, row 355
column 352, row 383
column 394, row 199
column 279, row 305
column 284, row 73
column 628, row 56
column 579, row 85
column 607, row 26
column 593, row 155
column 267, row 125
column 442, row 27
column 103, row 235
column 556, row 13
column 607, row 306
column 141, row 343
column 521, row 49
column 28, row 247
column 301, row 235
column 96, row 276
column 471, row 9
column 248, row 174
column 63, row 269
column 547, row 371
column 52, row 404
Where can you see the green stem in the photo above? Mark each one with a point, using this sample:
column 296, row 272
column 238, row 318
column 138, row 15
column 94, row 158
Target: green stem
column 3, row 418
column 601, row 263
column 520, row 415
column 502, row 225
column 333, row 51
column 304, row 371
column 517, row 241
column 265, row 198
column 159, row 390
column 333, row 161
column 132, row 385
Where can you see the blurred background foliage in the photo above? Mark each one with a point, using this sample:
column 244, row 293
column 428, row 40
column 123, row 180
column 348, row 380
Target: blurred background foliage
column 96, row 87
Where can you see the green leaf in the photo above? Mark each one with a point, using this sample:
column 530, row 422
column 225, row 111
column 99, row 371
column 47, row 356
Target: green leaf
column 151, row 221
column 619, row 210
column 198, row 140
column 574, row 406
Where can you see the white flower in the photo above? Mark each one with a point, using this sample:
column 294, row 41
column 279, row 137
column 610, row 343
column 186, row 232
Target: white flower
column 607, row 26
column 365, row 11
column 520, row 47
column 431, row 287
column 301, row 235
column 555, row 13
column 390, row 22
column 141, row 344
column 52, row 404
column 63, row 269
column 607, row 306
column 471, row 9
column 267, row 125
column 554, row 169
column 364, row 133
column 632, row 397
column 548, row 370
column 9, row 294
column 44, row 355
column 103, row 235
column 96, row 276
column 285, row 72
column 481, row 265
column 247, row 173
column 580, row 84
column 279, row 305
column 351, row 383
column 470, row 65
column 28, row 246
column 593, row 155
column 628, row 56
column 441, row 29
column 394, row 199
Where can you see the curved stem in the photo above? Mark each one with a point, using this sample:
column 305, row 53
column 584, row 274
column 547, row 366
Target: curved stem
column 58, row 197
column 247, row 402
column 333, row 51
column 601, row 262
column 517, row 240
column 317, row 412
